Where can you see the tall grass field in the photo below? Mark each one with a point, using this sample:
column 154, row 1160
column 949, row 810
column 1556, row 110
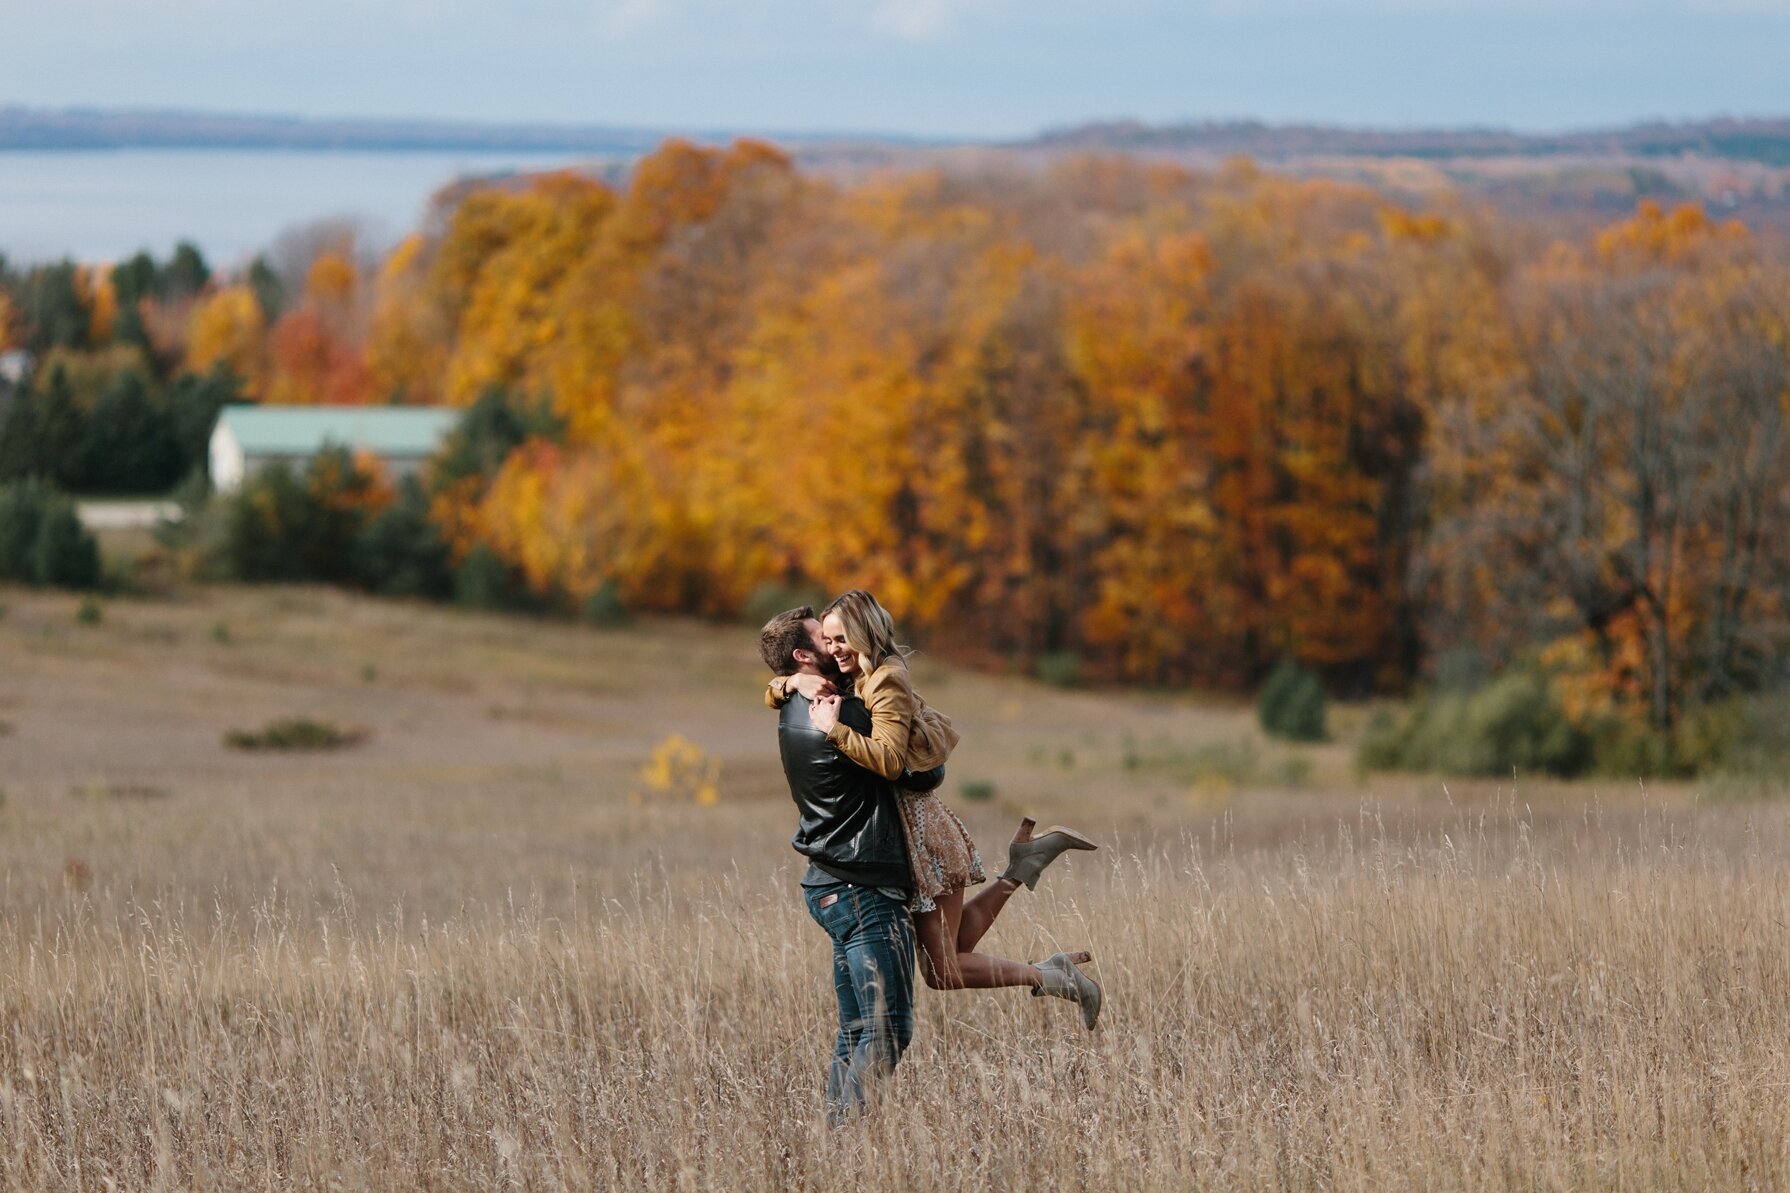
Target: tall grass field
column 497, row 934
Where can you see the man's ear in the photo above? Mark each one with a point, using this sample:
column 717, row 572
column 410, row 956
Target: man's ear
column 804, row 658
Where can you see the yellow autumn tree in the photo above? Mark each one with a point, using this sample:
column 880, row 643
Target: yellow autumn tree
column 228, row 328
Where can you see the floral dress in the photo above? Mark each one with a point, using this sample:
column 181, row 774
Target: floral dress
column 939, row 849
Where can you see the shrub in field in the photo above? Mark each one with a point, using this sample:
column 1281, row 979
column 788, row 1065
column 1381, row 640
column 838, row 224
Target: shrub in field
column 604, row 606
column 1291, row 703
column 65, row 554
column 89, row 611
column 1058, row 668
column 42, row 540
column 1514, row 723
column 977, row 790
column 680, row 771
column 294, row 733
column 482, row 581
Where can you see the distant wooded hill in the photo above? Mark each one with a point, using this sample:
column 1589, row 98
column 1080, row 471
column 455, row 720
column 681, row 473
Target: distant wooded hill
column 1766, row 142
column 98, row 128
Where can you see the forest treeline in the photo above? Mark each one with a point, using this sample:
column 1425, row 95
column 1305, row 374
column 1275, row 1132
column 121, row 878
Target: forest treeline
column 1176, row 426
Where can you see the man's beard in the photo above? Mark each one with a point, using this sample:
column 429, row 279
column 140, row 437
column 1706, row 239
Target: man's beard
column 829, row 667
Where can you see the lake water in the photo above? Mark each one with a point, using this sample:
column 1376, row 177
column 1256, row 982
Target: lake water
column 105, row 205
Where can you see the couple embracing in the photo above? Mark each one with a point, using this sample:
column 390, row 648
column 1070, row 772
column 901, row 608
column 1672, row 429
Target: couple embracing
column 888, row 861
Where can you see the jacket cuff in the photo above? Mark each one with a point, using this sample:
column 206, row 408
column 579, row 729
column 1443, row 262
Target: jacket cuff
column 838, row 733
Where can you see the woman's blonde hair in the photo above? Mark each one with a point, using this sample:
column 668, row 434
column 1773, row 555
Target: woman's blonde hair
column 869, row 630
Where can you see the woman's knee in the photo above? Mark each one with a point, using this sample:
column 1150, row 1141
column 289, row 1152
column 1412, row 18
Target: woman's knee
column 942, row 977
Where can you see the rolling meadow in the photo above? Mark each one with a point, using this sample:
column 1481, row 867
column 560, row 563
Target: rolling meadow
column 495, row 942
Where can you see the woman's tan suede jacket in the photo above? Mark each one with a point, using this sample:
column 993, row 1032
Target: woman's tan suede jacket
column 906, row 734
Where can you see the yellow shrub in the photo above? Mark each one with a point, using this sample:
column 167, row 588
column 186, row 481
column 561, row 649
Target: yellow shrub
column 680, row 770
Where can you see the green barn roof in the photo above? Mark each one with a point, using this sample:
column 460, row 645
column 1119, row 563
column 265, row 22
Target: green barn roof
column 305, row 430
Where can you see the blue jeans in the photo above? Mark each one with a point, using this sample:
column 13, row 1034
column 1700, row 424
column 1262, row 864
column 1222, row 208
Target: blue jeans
column 873, row 978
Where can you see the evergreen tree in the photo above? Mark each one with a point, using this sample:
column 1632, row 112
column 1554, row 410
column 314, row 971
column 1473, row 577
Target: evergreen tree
column 268, row 290
column 129, row 446
column 400, row 551
column 338, row 496
column 185, row 274
column 61, row 429
column 132, row 282
column 55, row 316
column 264, row 522
column 21, row 509
column 492, row 427
column 1291, row 704
column 192, row 404
column 65, row 553
column 19, row 448
column 482, row 581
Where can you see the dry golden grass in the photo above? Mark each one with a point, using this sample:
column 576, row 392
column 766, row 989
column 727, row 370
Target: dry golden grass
column 460, row 956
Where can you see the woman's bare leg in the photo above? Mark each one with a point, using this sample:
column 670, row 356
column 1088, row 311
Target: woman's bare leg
column 979, row 913
column 967, row 970
column 938, row 960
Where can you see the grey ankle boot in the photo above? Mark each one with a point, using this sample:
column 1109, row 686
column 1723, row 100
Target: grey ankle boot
column 1063, row 980
column 1026, row 859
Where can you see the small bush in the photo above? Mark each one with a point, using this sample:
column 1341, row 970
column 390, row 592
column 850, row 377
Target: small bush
column 976, row 790
column 604, row 606
column 680, row 771
column 65, row 554
column 220, row 633
column 1058, row 668
column 1291, row 704
column 1514, row 723
column 400, row 551
column 294, row 733
column 1462, row 669
column 42, row 540
column 89, row 611
column 482, row 581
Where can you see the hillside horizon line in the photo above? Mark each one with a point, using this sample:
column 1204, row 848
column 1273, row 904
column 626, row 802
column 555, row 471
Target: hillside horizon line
column 1765, row 140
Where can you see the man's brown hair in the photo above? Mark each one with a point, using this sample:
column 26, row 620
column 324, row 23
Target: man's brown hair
column 782, row 636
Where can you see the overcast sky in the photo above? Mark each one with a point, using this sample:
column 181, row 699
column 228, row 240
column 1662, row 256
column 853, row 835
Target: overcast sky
column 941, row 67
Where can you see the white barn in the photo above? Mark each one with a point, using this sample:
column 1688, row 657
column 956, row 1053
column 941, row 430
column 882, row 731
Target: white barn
column 247, row 439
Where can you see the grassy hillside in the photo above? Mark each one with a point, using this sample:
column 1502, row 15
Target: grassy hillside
column 475, row 951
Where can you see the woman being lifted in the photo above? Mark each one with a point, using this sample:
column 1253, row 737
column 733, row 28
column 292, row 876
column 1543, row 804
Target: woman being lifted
column 908, row 744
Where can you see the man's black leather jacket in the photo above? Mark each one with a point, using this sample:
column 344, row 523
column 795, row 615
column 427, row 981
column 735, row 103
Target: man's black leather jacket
column 850, row 827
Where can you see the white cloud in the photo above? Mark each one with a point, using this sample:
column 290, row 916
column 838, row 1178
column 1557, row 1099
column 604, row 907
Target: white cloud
column 624, row 16
column 919, row 20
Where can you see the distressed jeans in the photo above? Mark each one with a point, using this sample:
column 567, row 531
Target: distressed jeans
column 873, row 979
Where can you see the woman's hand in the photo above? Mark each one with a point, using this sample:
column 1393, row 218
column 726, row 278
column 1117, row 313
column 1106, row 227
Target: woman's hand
column 811, row 686
column 825, row 713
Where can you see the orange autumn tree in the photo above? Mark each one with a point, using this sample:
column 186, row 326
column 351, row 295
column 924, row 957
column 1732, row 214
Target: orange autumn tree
column 315, row 349
column 1179, row 424
column 1631, row 463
